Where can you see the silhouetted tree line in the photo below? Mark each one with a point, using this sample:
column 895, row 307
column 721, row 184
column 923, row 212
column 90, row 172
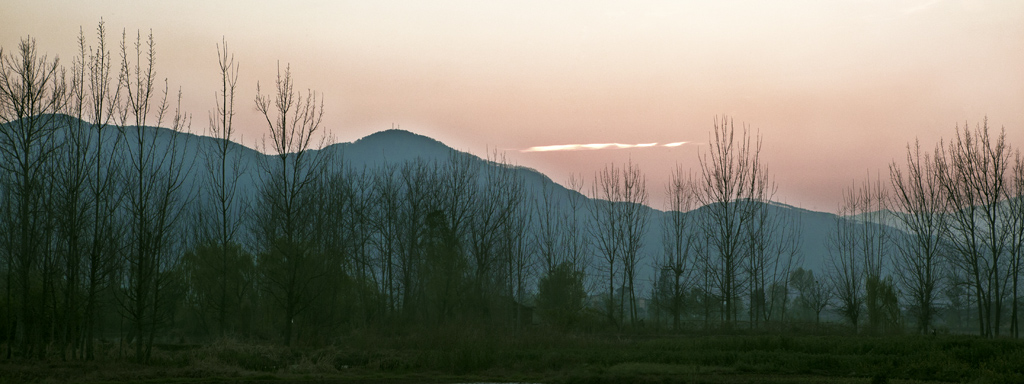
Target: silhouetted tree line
column 105, row 239
column 963, row 211
column 938, row 245
column 727, row 253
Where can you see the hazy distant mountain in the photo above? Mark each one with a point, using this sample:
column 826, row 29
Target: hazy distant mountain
column 396, row 146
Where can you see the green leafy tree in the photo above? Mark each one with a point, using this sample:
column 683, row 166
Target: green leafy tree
column 445, row 268
column 219, row 281
column 883, row 292
column 561, row 296
column 813, row 295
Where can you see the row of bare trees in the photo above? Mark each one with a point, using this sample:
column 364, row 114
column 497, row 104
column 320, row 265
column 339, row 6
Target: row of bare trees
column 944, row 235
column 114, row 228
column 103, row 211
column 980, row 180
column 725, row 244
column 860, row 250
column 79, row 223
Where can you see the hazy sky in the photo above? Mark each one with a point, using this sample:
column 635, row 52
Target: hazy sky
column 836, row 88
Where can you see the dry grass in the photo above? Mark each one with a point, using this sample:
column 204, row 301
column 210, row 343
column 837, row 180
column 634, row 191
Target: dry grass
column 541, row 356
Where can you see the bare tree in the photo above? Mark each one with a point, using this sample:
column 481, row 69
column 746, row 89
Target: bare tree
column 774, row 249
column 972, row 172
column 548, row 235
column 155, row 196
column 32, row 91
column 620, row 218
column 448, row 227
column 733, row 181
column 338, row 246
column 517, row 247
column 361, row 234
column 346, row 240
column 71, row 198
column 709, row 298
column 678, row 261
column 419, row 188
column 919, row 203
column 221, row 206
column 1015, row 204
column 846, row 267
column 874, row 242
column 574, row 240
column 283, row 232
column 500, row 193
column 605, row 230
column 103, row 100
column 859, row 249
column 385, row 218
column 635, row 217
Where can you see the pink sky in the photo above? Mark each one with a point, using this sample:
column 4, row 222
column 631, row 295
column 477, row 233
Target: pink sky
column 837, row 88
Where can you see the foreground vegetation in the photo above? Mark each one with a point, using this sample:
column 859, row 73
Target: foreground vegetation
column 457, row 355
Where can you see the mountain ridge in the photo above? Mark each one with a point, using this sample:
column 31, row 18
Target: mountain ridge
column 396, row 146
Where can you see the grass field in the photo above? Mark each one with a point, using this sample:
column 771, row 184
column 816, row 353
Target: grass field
column 467, row 356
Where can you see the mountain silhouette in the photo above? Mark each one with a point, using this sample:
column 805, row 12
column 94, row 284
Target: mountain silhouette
column 396, row 146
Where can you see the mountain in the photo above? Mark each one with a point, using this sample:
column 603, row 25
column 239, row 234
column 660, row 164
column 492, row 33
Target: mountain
column 393, row 146
column 396, row 146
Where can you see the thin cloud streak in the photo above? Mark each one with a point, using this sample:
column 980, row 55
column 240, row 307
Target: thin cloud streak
column 596, row 146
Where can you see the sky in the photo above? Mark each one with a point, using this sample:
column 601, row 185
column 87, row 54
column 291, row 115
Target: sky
column 836, row 89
